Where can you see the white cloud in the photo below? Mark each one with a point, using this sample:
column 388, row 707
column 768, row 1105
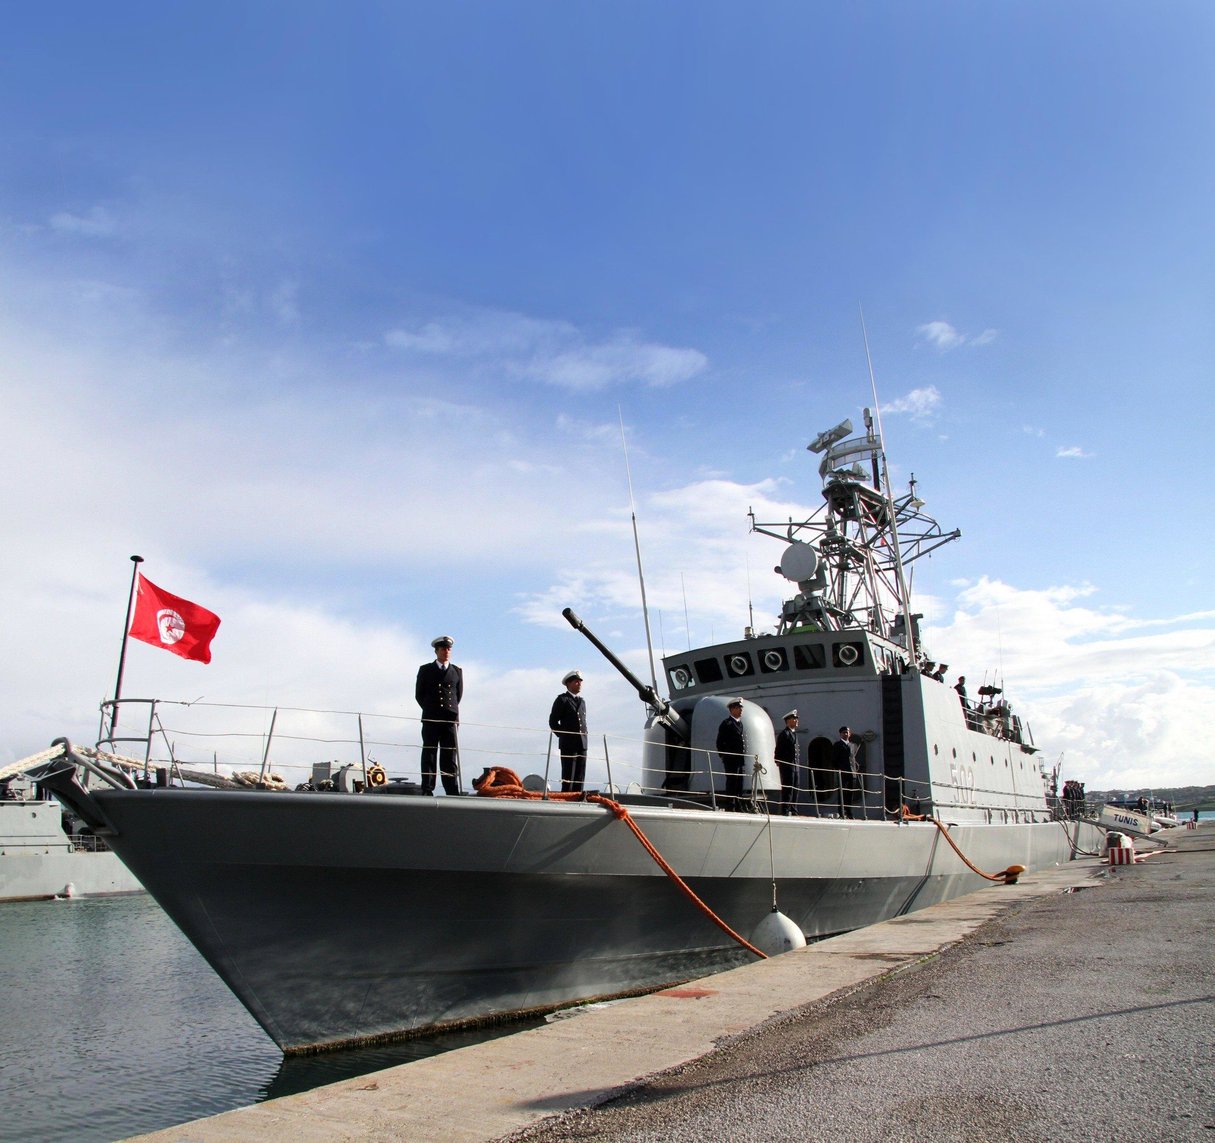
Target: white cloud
column 97, row 223
column 920, row 404
column 551, row 352
column 1119, row 696
column 1072, row 452
column 945, row 337
column 941, row 334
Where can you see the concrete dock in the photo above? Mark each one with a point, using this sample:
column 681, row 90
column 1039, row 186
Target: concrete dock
column 1078, row 1004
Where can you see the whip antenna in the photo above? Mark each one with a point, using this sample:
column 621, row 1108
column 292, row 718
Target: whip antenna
column 645, row 609
column 904, row 592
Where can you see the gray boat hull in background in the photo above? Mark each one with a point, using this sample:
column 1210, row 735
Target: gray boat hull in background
column 38, row 860
column 339, row 919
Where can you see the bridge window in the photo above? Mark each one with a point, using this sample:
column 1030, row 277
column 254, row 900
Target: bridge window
column 809, row 657
column 708, row 670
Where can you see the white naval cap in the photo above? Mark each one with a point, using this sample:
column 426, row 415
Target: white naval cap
column 574, row 674
column 791, row 714
column 442, row 641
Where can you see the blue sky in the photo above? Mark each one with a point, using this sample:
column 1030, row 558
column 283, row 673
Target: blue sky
column 333, row 312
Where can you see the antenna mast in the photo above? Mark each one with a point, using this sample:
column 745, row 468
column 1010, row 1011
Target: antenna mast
column 904, row 593
column 645, row 610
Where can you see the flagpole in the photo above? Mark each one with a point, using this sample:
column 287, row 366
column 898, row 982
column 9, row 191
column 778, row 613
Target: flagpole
column 122, row 658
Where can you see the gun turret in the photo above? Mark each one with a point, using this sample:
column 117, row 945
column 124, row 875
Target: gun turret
column 662, row 709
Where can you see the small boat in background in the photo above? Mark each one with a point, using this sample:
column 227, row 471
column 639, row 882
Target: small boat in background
column 45, row 853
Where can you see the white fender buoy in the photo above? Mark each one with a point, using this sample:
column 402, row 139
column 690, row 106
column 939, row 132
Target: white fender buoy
column 776, row 934
column 69, row 890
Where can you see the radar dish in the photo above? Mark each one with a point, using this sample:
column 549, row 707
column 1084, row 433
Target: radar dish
column 799, row 562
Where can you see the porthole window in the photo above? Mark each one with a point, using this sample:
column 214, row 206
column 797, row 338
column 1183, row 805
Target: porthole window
column 772, row 660
column 848, row 654
column 682, row 678
column 739, row 665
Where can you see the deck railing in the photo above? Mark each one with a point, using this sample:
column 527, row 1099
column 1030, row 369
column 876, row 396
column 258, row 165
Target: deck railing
column 190, row 741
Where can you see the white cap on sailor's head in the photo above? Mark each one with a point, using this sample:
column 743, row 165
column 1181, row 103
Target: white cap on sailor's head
column 791, row 714
column 733, row 703
column 574, row 674
column 442, row 641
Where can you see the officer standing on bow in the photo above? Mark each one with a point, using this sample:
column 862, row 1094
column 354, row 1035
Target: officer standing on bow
column 567, row 721
column 438, row 691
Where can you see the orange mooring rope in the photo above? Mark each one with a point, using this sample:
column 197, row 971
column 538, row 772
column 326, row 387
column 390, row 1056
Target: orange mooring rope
column 499, row 782
column 1008, row 876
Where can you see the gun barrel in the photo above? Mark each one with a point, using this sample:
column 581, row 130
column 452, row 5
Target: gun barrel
column 647, row 694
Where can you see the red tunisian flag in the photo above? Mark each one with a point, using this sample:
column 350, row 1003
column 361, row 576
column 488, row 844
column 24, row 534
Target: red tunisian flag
column 173, row 623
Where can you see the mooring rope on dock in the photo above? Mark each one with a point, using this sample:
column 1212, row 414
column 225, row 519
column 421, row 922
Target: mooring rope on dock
column 499, row 782
column 1007, row 876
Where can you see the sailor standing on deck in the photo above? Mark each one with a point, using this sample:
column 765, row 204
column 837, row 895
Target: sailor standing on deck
column 843, row 754
column 438, row 691
column 788, row 755
column 567, row 721
column 731, row 746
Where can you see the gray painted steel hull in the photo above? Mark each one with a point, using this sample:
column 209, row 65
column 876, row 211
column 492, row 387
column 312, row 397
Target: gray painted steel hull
column 341, row 918
column 39, row 877
column 38, row 861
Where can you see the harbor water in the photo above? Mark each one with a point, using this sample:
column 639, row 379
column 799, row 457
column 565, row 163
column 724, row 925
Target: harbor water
column 114, row 1025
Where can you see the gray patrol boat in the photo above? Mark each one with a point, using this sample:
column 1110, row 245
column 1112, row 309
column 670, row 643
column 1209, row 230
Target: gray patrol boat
column 44, row 853
column 340, row 918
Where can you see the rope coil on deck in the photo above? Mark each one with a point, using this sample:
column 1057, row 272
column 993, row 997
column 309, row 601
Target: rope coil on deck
column 499, row 782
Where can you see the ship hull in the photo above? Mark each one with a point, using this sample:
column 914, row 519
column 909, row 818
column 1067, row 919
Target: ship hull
column 340, row 919
column 38, row 861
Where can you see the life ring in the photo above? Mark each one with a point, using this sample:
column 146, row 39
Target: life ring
column 377, row 776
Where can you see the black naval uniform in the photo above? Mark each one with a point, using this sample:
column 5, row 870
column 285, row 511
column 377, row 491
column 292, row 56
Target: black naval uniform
column 567, row 721
column 843, row 754
column 438, row 691
column 731, row 746
column 788, row 755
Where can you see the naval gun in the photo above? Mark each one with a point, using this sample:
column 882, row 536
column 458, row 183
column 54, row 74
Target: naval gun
column 664, row 712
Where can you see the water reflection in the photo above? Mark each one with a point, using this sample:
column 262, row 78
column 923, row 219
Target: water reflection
column 302, row 1073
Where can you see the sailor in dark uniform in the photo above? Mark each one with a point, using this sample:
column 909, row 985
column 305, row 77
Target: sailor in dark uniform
column 568, row 722
column 439, row 688
column 731, row 746
column 788, row 756
column 843, row 755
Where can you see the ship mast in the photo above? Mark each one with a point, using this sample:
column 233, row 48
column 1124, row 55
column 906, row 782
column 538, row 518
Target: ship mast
column 899, row 574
